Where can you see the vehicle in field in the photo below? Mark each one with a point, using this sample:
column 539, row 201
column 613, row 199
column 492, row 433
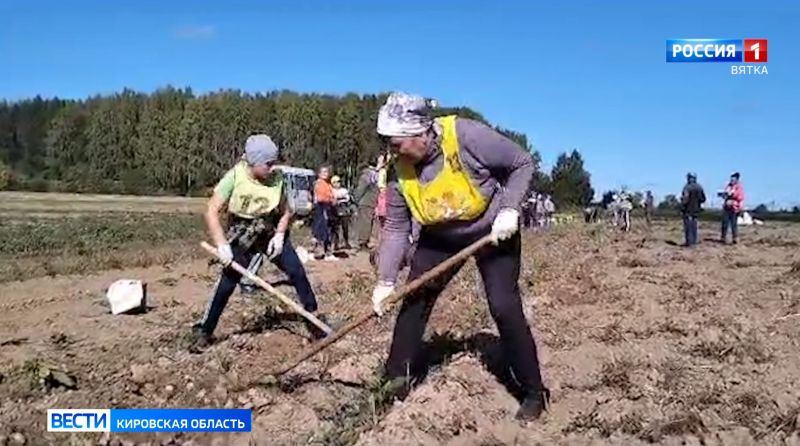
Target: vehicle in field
column 299, row 183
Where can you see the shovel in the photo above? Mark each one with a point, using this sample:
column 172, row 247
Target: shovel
column 271, row 290
column 397, row 296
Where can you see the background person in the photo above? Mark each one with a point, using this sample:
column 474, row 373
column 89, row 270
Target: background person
column 732, row 207
column 692, row 199
column 324, row 201
column 625, row 206
column 549, row 210
column 649, row 207
column 340, row 231
column 525, row 208
column 539, row 211
column 365, row 198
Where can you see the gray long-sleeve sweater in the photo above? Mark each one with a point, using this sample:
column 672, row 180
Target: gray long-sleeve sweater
column 499, row 167
column 366, row 193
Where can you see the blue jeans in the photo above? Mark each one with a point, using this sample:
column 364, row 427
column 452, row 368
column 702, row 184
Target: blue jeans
column 730, row 220
column 690, row 229
column 321, row 225
column 288, row 262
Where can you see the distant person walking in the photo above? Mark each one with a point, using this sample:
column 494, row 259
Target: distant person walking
column 734, row 203
column 649, row 207
column 692, row 200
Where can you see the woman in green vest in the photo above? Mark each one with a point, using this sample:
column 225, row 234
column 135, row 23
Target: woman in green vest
column 253, row 193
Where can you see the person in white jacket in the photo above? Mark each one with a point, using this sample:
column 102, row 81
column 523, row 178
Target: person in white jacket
column 343, row 210
column 549, row 210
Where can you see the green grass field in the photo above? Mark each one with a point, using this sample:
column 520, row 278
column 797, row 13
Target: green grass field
column 49, row 234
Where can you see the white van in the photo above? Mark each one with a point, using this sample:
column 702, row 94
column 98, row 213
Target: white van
column 299, row 185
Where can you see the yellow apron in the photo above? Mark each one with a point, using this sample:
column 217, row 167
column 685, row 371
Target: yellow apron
column 451, row 195
column 250, row 198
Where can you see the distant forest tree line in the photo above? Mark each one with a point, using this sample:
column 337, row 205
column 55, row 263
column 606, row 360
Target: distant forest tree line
column 172, row 141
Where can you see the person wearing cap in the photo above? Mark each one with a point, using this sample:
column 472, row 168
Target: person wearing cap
column 252, row 191
column 692, row 199
column 732, row 207
column 459, row 180
column 342, row 211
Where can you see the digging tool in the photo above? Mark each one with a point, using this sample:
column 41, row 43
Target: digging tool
column 397, row 296
column 270, row 289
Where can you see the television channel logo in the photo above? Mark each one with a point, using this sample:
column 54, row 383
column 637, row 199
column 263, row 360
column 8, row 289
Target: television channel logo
column 717, row 50
column 78, row 420
column 704, row 50
column 149, row 420
column 755, row 50
column 750, row 55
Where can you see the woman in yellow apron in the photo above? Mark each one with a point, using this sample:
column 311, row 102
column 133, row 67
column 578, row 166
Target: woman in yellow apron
column 254, row 196
column 460, row 181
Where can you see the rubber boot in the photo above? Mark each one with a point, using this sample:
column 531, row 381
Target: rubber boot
column 316, row 332
column 533, row 405
column 396, row 388
column 199, row 339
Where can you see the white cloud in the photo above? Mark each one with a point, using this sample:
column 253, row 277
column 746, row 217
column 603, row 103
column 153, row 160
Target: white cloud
column 195, row 32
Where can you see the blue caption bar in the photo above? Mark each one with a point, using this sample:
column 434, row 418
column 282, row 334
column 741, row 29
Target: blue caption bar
column 181, row 420
column 704, row 50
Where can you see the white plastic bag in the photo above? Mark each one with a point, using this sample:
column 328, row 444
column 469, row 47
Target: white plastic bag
column 745, row 219
column 126, row 295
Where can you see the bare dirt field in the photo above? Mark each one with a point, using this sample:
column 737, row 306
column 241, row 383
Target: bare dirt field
column 641, row 342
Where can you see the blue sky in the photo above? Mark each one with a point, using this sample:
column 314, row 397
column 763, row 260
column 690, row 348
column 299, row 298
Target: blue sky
column 585, row 74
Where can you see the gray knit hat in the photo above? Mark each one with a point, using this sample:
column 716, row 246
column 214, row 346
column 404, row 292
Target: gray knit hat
column 260, row 150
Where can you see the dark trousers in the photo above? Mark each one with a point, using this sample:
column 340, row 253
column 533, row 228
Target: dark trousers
column 321, row 225
column 364, row 222
column 499, row 267
column 288, row 262
column 690, row 229
column 526, row 218
column 730, row 220
column 341, row 225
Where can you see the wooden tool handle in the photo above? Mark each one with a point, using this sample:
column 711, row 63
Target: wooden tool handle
column 270, row 289
column 397, row 296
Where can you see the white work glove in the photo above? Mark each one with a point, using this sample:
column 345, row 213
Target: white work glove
column 275, row 246
column 379, row 294
column 505, row 224
column 225, row 254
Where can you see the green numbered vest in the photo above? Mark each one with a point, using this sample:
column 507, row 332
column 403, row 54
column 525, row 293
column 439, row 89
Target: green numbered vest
column 251, row 198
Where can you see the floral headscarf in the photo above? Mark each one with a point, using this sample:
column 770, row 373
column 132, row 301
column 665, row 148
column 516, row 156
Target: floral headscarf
column 405, row 115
